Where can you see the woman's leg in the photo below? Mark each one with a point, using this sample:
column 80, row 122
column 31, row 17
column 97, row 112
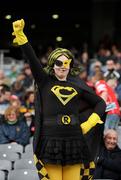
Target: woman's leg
column 54, row 171
column 48, row 171
column 71, row 172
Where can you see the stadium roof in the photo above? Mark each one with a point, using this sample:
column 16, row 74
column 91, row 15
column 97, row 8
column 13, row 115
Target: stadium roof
column 73, row 25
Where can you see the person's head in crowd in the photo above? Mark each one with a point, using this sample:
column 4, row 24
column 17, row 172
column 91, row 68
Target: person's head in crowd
column 26, row 65
column 111, row 71
column 14, row 129
column 96, row 77
column 43, row 61
column 97, row 67
column 104, row 52
column 15, row 101
column 4, row 79
column 118, row 65
column 110, row 64
column 29, row 97
column 18, row 89
column 5, row 92
column 84, row 57
column 13, row 73
column 83, row 73
column 28, row 101
column 11, row 115
column 28, row 80
column 27, row 71
column 114, row 50
column 14, row 69
column 97, row 64
column 110, row 139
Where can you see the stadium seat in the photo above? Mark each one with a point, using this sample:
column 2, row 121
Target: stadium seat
column 11, row 156
column 2, row 175
column 27, row 155
column 23, row 174
column 5, row 165
column 29, row 148
column 24, row 164
column 12, row 147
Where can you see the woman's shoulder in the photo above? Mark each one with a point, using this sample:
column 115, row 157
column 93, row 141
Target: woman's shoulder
column 80, row 83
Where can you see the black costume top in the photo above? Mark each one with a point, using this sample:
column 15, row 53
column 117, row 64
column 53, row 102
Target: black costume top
column 58, row 137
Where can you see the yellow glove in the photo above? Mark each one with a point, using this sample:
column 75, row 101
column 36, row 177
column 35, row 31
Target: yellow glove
column 20, row 37
column 91, row 122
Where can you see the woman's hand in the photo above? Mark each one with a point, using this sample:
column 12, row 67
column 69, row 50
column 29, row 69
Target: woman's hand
column 18, row 26
column 20, row 37
column 90, row 123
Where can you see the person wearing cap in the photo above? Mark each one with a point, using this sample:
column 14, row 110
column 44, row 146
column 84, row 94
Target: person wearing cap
column 62, row 119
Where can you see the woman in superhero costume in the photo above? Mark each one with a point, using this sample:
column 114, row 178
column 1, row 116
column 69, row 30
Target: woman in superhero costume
column 67, row 112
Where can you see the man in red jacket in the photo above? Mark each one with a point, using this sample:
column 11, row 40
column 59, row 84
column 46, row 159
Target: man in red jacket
column 108, row 94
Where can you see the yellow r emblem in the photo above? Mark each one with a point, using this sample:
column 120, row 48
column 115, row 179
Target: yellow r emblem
column 66, row 119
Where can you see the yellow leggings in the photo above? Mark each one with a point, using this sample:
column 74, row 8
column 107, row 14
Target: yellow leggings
column 58, row 172
column 69, row 172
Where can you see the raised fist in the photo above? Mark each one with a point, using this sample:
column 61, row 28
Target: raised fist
column 20, row 37
column 18, row 25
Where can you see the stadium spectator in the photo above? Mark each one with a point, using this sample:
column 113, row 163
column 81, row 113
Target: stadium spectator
column 108, row 94
column 109, row 160
column 17, row 88
column 26, row 113
column 4, row 79
column 111, row 71
column 28, row 110
column 28, row 80
column 5, row 95
column 13, row 129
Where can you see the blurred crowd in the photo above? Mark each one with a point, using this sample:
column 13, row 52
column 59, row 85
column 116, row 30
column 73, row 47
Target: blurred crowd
column 102, row 72
column 16, row 106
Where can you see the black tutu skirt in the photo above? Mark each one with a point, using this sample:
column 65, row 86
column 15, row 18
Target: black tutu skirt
column 64, row 150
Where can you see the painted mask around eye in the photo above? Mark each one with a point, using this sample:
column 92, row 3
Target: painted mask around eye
column 65, row 63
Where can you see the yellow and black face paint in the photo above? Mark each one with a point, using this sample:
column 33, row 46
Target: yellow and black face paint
column 64, row 63
column 57, row 53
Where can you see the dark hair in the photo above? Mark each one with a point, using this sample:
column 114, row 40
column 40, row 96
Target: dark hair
column 28, row 94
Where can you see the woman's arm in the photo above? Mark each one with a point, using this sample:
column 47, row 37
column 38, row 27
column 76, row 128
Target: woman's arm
column 99, row 109
column 22, row 41
column 24, row 134
column 3, row 138
column 36, row 67
column 96, row 102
